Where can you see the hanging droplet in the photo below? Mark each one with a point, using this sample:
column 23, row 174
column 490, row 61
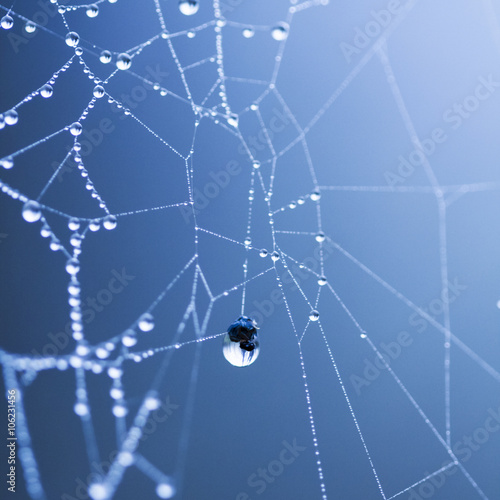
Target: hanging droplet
column 81, row 409
column 165, row 490
column 248, row 241
column 31, row 211
column 75, row 128
column 275, row 256
column 98, row 491
column 98, row 91
column 92, row 10
column 94, row 225
column 30, row 27
column 109, row 222
column 314, row 315
column 46, row 91
column 74, row 224
column 248, row 32
column 129, row 340
column 11, row 117
column 152, row 402
column 189, row 7
column 146, row 322
column 322, row 281
column 7, row 22
column 123, row 61
column 72, row 267
column 233, row 120
column 72, row 39
column 315, row 195
column 280, row 32
column 256, row 164
column 7, row 162
column 320, row 237
column 119, row 411
column 45, row 231
column 263, row 253
column 292, row 205
column 301, row 200
column 105, row 57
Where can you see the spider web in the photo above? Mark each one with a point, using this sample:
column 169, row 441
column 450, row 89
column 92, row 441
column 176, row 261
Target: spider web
column 302, row 163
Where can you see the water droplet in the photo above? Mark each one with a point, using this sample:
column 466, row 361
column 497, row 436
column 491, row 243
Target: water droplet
column 75, row 128
column 189, row 7
column 76, row 240
column 248, row 32
column 31, row 211
column 11, row 117
column 92, row 10
column 98, row 491
column 292, row 205
column 129, row 340
column 94, row 225
column 109, row 222
column 105, row 57
column 72, row 266
column 363, row 335
column 146, row 322
column 74, row 289
column 233, row 120
column 280, row 32
column 315, row 195
column 123, row 61
column 275, row 256
column 119, row 411
column 256, row 164
column 320, row 237
column 7, row 22
column 7, row 162
column 46, row 91
column 322, row 281
column 101, row 353
column 116, row 393
column 301, row 200
column 152, row 403
column 190, row 34
column 45, row 232
column 98, row 91
column 263, row 253
column 114, row 372
column 165, row 490
column 81, row 409
column 72, row 39
column 74, row 224
column 30, row 27
column 248, row 241
column 78, row 51
column 314, row 315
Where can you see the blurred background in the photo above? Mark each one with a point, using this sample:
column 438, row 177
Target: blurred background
column 330, row 98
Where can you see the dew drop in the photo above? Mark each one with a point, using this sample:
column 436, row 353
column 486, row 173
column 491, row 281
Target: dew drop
column 119, row 411
column 256, row 164
column 72, row 266
column 275, row 256
column 123, row 61
column 315, row 195
column 280, row 32
column 263, row 253
column 314, row 315
column 31, row 211
column 72, row 39
column 75, row 128
column 189, row 7
column 7, row 22
column 98, row 491
column 74, row 224
column 109, row 222
column 11, row 117
column 46, row 91
column 248, row 241
column 75, row 240
column 322, row 281
column 30, row 27
column 94, row 225
column 248, row 32
column 98, row 91
column 7, row 162
column 92, row 10
column 320, row 237
column 165, row 490
column 129, row 340
column 146, row 322
column 105, row 57
column 81, row 409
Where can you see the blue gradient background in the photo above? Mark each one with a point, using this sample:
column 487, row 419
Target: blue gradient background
column 241, row 417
